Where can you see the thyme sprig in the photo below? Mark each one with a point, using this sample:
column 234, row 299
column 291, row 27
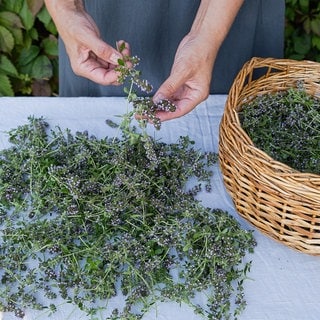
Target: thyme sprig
column 144, row 107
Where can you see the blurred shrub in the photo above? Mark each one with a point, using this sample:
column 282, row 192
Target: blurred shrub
column 28, row 49
column 302, row 33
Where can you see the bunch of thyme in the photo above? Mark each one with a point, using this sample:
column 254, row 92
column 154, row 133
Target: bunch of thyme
column 286, row 125
column 83, row 219
column 81, row 214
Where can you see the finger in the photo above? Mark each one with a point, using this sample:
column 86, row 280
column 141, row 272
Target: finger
column 98, row 72
column 100, row 61
column 104, row 51
column 182, row 108
column 104, row 77
column 169, row 88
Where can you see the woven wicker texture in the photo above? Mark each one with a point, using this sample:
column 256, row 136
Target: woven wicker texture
column 280, row 201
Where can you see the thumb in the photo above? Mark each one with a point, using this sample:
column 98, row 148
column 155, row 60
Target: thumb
column 168, row 89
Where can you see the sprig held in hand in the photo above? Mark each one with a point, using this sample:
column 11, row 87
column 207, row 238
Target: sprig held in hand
column 144, row 107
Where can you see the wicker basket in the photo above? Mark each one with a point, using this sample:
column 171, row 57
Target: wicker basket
column 280, row 201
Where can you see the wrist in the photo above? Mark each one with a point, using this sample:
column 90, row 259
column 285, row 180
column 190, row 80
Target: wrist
column 205, row 46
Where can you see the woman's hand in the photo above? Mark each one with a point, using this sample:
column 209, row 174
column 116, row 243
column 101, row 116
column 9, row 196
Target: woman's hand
column 189, row 81
column 89, row 55
column 190, row 78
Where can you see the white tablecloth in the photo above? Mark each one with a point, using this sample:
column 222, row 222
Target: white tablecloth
column 283, row 285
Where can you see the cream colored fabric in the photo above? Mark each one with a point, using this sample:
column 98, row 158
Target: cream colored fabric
column 283, row 285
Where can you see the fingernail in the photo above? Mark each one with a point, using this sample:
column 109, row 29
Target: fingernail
column 114, row 58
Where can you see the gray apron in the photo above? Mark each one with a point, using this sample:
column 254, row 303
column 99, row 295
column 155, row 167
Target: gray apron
column 154, row 29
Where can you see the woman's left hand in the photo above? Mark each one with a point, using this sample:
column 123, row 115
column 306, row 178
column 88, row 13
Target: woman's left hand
column 191, row 73
column 189, row 81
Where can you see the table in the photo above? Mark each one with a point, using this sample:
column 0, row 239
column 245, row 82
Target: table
column 284, row 284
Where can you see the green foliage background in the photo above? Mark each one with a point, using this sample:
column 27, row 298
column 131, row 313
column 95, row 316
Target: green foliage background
column 302, row 33
column 29, row 46
column 28, row 49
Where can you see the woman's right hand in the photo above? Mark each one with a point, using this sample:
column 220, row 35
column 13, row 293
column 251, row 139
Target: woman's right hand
column 89, row 55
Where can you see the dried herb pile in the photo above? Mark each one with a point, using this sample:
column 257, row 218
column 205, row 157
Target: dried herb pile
column 286, row 125
column 92, row 213
column 86, row 219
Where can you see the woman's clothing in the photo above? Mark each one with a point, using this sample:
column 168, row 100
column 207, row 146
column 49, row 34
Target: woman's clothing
column 155, row 28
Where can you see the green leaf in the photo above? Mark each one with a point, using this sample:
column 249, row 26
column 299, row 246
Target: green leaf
column 316, row 42
column 27, row 40
column 13, row 23
column 6, row 40
column 290, row 14
column 33, row 33
column 26, row 16
column 5, row 86
column 307, row 25
column 10, row 20
column 295, row 56
column 122, row 47
column 187, row 247
column 291, row 2
column 26, row 69
column 302, row 45
column 304, row 4
column 44, row 16
column 315, row 26
column 7, row 66
column 51, row 28
column 17, row 35
column 27, row 55
column 50, row 45
column 46, row 19
column 35, row 6
column 14, row 6
column 42, row 68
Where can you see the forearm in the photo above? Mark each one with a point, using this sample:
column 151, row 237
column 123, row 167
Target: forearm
column 60, row 10
column 70, row 18
column 54, row 6
column 213, row 22
column 89, row 55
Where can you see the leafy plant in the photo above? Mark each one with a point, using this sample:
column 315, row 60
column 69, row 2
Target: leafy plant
column 28, row 49
column 286, row 125
column 302, row 32
column 84, row 219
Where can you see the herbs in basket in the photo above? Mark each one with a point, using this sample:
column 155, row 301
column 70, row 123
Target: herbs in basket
column 84, row 219
column 286, row 125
